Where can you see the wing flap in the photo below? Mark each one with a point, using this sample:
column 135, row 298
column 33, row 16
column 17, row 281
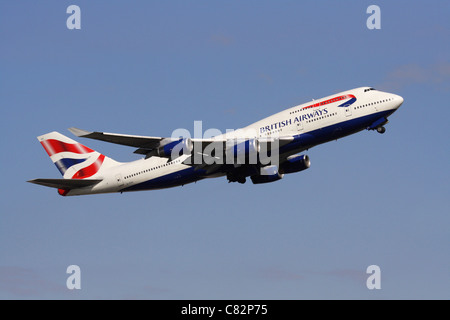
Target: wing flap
column 65, row 183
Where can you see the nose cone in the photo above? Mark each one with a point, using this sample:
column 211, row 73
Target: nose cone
column 398, row 100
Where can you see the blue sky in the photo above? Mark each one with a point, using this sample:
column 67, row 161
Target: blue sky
column 149, row 67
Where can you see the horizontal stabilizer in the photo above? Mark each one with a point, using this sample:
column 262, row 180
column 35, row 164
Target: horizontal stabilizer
column 66, row 184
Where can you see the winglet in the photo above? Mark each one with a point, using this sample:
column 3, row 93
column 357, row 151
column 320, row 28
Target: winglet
column 79, row 132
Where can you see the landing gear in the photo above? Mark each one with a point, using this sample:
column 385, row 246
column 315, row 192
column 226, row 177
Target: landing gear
column 233, row 178
column 241, row 180
column 381, row 129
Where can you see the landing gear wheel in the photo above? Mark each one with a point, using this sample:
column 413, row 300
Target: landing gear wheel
column 381, row 129
column 241, row 180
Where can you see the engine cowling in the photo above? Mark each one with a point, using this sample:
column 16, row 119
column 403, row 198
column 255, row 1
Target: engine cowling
column 175, row 149
column 267, row 174
column 295, row 163
column 244, row 150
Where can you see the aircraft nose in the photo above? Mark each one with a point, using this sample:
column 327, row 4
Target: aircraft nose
column 398, row 100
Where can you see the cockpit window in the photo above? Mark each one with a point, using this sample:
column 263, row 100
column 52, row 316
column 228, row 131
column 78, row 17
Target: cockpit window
column 369, row 89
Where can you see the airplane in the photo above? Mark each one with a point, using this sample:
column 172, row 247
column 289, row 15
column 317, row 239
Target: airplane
column 264, row 151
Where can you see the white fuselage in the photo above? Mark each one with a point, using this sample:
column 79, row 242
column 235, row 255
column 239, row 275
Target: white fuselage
column 309, row 124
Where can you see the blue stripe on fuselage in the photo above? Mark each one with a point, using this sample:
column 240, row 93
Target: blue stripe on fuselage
column 348, row 103
column 173, row 179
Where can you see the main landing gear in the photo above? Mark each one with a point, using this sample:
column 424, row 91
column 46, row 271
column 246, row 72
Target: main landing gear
column 381, row 129
column 233, row 178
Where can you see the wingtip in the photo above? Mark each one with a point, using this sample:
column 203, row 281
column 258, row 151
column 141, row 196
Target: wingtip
column 79, row 132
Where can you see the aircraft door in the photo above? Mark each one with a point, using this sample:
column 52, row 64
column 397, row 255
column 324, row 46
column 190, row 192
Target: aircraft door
column 348, row 111
column 119, row 180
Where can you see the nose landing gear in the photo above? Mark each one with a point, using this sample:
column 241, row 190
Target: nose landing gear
column 381, row 129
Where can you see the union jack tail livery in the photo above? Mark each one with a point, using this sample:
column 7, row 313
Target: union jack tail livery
column 74, row 161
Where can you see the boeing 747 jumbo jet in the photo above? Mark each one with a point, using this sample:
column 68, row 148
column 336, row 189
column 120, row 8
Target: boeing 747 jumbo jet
column 264, row 151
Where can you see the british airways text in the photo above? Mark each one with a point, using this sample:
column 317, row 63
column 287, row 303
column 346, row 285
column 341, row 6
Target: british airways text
column 303, row 117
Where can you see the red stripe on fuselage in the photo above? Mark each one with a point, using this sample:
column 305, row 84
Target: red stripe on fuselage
column 55, row 146
column 332, row 100
column 89, row 170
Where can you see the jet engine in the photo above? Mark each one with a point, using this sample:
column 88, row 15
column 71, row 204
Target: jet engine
column 295, row 163
column 267, row 174
column 174, row 149
column 245, row 150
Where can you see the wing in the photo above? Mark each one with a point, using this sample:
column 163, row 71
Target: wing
column 123, row 139
column 211, row 161
column 144, row 144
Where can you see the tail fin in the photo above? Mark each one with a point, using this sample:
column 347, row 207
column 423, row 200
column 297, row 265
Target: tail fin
column 74, row 160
